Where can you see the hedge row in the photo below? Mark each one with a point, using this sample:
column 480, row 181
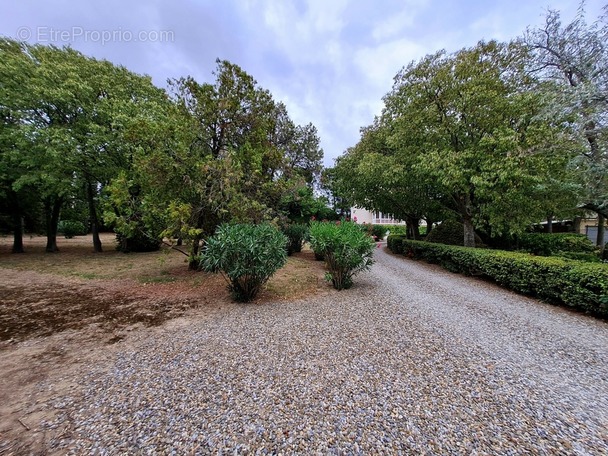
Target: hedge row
column 555, row 244
column 573, row 283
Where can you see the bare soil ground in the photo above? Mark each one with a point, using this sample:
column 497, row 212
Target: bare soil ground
column 62, row 311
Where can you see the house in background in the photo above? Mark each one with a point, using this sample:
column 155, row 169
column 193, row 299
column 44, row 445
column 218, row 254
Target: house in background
column 588, row 226
column 375, row 218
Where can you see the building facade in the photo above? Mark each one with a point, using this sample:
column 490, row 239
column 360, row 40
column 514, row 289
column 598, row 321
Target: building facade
column 375, row 218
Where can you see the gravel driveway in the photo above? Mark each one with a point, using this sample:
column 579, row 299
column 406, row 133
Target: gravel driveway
column 413, row 359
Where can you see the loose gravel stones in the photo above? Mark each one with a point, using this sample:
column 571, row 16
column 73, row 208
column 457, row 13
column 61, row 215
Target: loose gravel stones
column 413, row 359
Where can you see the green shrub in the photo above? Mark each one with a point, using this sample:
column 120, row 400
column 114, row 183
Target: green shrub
column 138, row 241
column 573, row 283
column 296, row 234
column 395, row 242
column 378, row 232
column 581, row 256
column 318, row 235
column 546, row 244
column 448, row 232
column 246, row 255
column 397, row 229
column 71, row 228
column 347, row 250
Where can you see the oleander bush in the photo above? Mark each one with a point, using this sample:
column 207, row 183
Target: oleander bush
column 318, row 235
column 547, row 244
column 246, row 255
column 296, row 234
column 347, row 250
column 558, row 280
column 71, row 228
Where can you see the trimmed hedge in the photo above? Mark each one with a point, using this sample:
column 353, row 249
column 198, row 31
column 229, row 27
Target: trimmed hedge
column 573, row 283
column 555, row 244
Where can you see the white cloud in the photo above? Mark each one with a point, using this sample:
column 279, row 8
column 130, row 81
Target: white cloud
column 380, row 64
column 395, row 24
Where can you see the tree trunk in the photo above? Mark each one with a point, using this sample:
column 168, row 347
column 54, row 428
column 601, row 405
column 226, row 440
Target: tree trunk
column 414, row 227
column 469, row 232
column 550, row 223
column 52, row 209
column 467, row 221
column 193, row 262
column 576, row 224
column 601, row 228
column 17, row 233
column 429, row 226
column 93, row 217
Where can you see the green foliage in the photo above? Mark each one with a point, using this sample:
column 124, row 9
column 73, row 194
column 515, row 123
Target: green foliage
column 296, row 234
column 301, row 205
column 395, row 242
column 572, row 59
column 246, row 255
column 573, row 283
column 378, row 232
column 137, row 223
column 139, row 241
column 546, row 244
column 346, row 249
column 447, row 232
column 397, row 229
column 460, row 133
column 581, row 256
column 71, row 228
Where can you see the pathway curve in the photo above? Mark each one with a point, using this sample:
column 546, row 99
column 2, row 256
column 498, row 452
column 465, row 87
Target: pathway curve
column 413, row 359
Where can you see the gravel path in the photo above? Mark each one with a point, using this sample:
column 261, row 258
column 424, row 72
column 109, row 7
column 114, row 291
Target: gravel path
column 413, row 359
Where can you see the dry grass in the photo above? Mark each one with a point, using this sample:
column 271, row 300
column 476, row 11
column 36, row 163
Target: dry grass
column 46, row 293
column 61, row 311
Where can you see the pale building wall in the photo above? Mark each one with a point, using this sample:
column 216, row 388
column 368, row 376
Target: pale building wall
column 375, row 218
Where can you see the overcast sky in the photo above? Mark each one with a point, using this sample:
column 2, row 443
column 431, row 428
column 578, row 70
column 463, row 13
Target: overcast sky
column 329, row 61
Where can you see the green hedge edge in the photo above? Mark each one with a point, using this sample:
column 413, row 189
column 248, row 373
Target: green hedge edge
column 576, row 284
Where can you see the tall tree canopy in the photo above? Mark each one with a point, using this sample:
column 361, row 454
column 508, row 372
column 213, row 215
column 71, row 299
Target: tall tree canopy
column 460, row 131
column 68, row 115
column 149, row 162
column 573, row 60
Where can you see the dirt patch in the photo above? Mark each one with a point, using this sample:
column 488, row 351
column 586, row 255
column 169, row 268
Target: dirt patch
column 63, row 311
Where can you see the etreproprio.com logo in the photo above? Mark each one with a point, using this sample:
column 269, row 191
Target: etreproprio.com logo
column 44, row 34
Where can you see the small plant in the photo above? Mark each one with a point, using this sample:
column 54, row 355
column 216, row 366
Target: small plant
column 296, row 234
column 246, row 256
column 347, row 250
column 71, row 228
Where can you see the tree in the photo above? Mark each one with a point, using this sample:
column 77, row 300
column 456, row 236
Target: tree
column 233, row 156
column 380, row 177
column 573, row 59
column 72, row 112
column 467, row 122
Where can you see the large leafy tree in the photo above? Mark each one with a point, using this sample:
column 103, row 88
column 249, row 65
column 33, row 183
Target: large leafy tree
column 378, row 176
column 460, row 132
column 470, row 118
column 573, row 60
column 70, row 123
column 232, row 155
